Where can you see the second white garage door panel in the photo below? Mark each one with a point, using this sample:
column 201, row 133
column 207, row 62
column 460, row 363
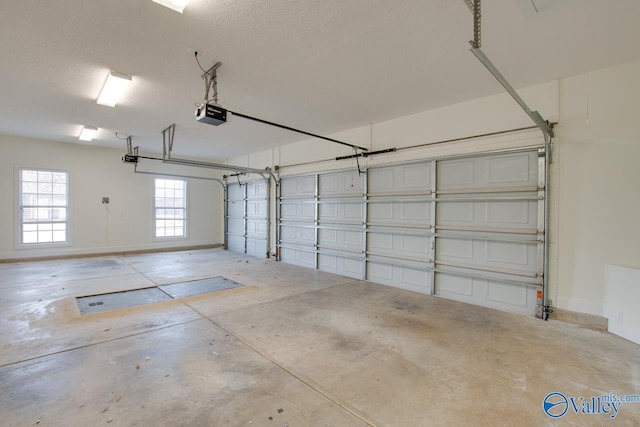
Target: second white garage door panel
column 399, row 213
column 471, row 199
column 502, row 296
column 500, row 171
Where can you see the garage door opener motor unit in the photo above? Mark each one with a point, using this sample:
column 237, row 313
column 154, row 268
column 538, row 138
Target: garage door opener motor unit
column 211, row 114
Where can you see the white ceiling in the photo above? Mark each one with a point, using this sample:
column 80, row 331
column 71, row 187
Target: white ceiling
column 319, row 65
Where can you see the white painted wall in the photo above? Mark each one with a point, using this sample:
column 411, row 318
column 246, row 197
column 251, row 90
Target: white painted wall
column 126, row 223
column 595, row 177
column 599, row 182
column 621, row 297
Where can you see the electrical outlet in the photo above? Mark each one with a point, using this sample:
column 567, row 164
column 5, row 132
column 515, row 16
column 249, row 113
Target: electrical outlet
column 105, row 200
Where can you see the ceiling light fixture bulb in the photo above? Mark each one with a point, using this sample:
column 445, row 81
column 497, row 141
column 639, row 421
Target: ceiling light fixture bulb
column 87, row 133
column 113, row 88
column 177, row 5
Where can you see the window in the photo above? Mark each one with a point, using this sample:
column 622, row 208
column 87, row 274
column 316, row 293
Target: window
column 170, row 207
column 43, row 206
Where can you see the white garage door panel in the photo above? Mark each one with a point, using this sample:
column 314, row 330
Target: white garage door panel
column 517, row 214
column 298, row 211
column 256, row 190
column 482, row 256
column 247, row 226
column 517, row 257
column 256, row 228
column 400, row 213
column 235, row 209
column 297, row 235
column 257, row 208
column 297, row 257
column 298, row 206
column 235, row 243
column 412, row 279
column 236, row 226
column 340, row 184
column 298, row 186
column 413, row 247
column 398, row 179
column 341, row 239
column 341, row 213
column 487, row 293
column 500, row 171
column 256, row 247
column 340, row 265
column 235, row 192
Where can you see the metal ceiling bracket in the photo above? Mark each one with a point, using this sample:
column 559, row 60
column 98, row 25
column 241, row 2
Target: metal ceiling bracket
column 168, row 135
column 210, row 78
column 544, row 125
column 129, row 145
column 477, row 43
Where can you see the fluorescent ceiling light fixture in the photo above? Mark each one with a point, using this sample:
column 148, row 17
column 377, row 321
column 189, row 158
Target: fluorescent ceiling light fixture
column 177, row 5
column 87, row 133
column 113, row 88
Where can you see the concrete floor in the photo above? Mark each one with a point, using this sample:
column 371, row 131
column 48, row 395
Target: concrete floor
column 293, row 347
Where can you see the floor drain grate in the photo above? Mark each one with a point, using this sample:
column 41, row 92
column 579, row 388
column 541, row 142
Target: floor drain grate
column 136, row 297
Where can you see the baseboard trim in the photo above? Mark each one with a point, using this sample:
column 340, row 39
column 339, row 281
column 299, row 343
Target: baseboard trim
column 115, row 253
column 590, row 321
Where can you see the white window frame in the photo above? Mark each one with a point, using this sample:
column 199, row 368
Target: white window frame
column 185, row 234
column 19, row 241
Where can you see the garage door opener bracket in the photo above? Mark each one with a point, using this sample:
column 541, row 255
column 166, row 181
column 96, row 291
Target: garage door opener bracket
column 476, row 43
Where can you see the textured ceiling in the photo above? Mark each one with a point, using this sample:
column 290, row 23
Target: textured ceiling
column 319, row 65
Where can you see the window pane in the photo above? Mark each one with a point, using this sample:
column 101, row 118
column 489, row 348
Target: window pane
column 170, row 201
column 43, row 199
column 30, row 227
column 60, row 189
column 60, row 177
column 45, row 237
column 43, row 214
column 45, row 227
column 29, row 187
column 59, row 200
column 59, row 214
column 28, row 175
column 45, row 176
column 30, row 237
column 29, row 214
column 45, row 187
